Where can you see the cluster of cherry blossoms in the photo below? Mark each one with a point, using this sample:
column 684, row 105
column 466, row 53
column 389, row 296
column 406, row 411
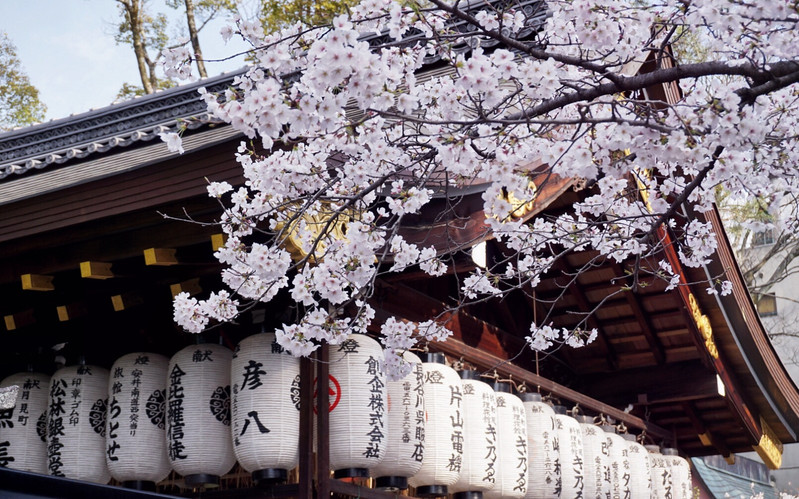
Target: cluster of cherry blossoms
column 351, row 134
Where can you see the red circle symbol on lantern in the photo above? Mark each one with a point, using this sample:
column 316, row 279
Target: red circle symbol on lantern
column 333, row 392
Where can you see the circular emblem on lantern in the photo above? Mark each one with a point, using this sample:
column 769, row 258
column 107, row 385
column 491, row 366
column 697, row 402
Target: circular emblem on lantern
column 41, row 427
column 97, row 416
column 156, row 408
column 333, row 391
column 220, row 404
column 295, row 392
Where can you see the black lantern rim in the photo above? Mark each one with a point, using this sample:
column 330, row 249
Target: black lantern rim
column 270, row 475
column 472, row 494
column 431, row 491
column 391, row 483
column 202, row 479
column 144, row 485
column 351, row 473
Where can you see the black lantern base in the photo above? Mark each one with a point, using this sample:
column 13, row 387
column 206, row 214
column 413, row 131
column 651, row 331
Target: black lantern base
column 467, row 495
column 431, row 491
column 351, row 473
column 270, row 475
column 391, row 483
column 139, row 485
column 201, row 480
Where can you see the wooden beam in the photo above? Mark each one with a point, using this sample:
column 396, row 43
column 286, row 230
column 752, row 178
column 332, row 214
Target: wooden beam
column 307, row 389
column 126, row 301
column 643, row 320
column 705, row 436
column 96, row 270
column 160, row 256
column 37, row 282
column 192, row 287
column 20, row 319
column 323, row 422
column 411, row 304
column 486, row 361
column 218, row 241
column 714, row 358
column 655, row 385
column 71, row 312
column 606, row 350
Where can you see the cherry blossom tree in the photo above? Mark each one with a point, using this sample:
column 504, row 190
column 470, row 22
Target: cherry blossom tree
column 350, row 137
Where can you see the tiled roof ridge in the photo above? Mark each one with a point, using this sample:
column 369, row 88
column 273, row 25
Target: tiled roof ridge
column 142, row 119
column 99, row 130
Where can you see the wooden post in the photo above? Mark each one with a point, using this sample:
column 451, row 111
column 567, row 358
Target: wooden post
column 323, row 423
column 306, row 429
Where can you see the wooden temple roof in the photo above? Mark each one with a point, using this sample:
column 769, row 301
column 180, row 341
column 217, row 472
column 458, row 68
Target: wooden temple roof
column 90, row 259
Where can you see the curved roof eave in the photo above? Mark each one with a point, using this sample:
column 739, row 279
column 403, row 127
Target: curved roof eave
column 751, row 338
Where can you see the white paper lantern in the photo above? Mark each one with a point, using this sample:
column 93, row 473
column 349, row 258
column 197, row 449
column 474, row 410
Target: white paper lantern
column 595, row 454
column 76, row 423
column 404, row 448
column 135, row 436
column 543, row 477
column 512, row 452
column 619, row 463
column 662, row 487
column 443, row 450
column 479, row 465
column 198, row 414
column 640, row 472
column 23, row 439
column 358, row 411
column 680, row 474
column 570, row 447
column 265, row 411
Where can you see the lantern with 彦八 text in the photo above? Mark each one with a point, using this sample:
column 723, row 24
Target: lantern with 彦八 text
column 443, row 449
column 198, row 440
column 404, row 448
column 23, row 428
column 76, row 418
column 135, row 435
column 512, row 451
column 265, row 380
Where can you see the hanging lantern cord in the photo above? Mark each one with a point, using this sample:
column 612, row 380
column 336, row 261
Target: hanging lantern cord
column 522, row 388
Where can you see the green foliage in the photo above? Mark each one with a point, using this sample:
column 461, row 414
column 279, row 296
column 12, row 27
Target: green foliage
column 276, row 14
column 737, row 214
column 206, row 8
column 154, row 30
column 129, row 91
column 19, row 99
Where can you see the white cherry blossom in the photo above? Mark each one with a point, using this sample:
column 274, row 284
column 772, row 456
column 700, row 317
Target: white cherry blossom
column 354, row 138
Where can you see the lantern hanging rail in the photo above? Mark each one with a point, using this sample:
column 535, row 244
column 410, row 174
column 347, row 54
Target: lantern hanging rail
column 490, row 362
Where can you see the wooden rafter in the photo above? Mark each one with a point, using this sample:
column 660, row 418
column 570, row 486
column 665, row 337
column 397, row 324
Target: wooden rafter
column 643, row 321
column 705, row 436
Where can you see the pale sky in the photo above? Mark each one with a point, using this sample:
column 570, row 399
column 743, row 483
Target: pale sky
column 68, row 51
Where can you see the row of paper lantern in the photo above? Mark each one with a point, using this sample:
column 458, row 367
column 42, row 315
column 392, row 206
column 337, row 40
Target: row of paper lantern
column 207, row 407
